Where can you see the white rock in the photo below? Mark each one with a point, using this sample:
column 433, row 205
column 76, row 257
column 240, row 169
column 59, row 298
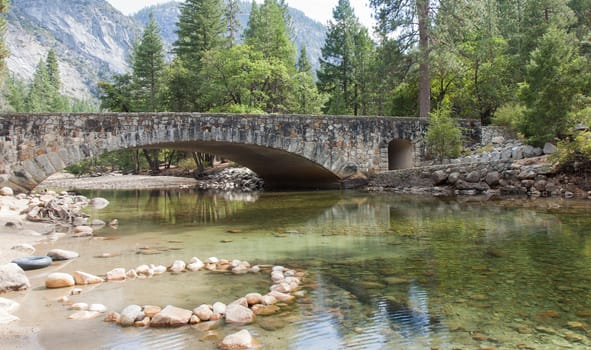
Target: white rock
column 219, row 308
column 117, row 274
column 159, row 269
column 97, row 308
column 195, row 264
column 59, row 280
column 129, row 314
column 83, row 278
column 212, row 260
column 144, row 271
column 79, row 306
column 203, row 311
column 62, row 254
column 238, row 341
column 6, row 191
column 84, row 315
column 98, row 203
column 171, row 316
column 24, row 248
column 236, row 313
column 177, row 266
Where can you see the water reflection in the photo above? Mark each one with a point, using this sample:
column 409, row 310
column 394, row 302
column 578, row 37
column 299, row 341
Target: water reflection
column 385, row 272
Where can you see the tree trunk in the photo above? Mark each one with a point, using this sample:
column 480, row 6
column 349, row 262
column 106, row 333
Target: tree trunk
column 153, row 161
column 424, row 75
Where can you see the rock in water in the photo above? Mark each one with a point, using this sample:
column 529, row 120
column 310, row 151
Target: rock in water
column 83, row 278
column 6, row 191
column 12, row 277
column 129, row 314
column 238, row 341
column 236, row 313
column 59, row 280
column 98, row 203
column 62, row 254
column 171, row 316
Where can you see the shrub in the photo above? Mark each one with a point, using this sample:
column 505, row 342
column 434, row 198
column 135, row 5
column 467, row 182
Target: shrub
column 444, row 137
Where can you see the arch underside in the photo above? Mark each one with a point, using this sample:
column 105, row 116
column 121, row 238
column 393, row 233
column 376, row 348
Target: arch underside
column 279, row 169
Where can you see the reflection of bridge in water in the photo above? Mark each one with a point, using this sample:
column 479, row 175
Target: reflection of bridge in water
column 287, row 151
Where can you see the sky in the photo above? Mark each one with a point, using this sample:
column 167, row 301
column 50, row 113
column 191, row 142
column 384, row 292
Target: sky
column 320, row 10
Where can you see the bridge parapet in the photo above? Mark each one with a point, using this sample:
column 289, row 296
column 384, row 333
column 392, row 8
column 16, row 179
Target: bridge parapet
column 286, row 150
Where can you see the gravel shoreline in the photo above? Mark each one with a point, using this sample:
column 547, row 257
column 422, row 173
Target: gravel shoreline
column 69, row 182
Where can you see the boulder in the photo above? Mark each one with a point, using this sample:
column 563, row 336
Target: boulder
column 177, row 266
column 265, row 310
column 62, row 254
column 268, row 300
column 151, row 310
column 83, row 278
column 97, row 308
column 129, row 314
column 497, row 140
column 171, row 316
column 117, row 274
column 476, row 186
column 84, row 315
column 453, row 177
column 59, row 280
column 236, row 313
column 6, row 191
column 549, row 148
column 473, row 176
column 195, row 264
column 24, row 248
column 253, row 298
column 219, row 308
column 439, row 177
column 204, row 312
column 238, row 341
column 144, row 271
column 492, row 178
column 98, row 203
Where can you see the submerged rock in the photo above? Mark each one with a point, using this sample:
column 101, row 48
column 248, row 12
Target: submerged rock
column 236, row 313
column 171, row 316
column 238, row 341
column 129, row 315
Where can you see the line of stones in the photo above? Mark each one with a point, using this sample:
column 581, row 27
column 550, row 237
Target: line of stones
column 284, row 289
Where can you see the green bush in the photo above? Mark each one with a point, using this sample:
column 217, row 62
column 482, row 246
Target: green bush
column 509, row 115
column 444, row 137
column 575, row 149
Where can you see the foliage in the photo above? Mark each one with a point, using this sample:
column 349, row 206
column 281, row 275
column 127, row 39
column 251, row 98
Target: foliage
column 4, row 52
column 555, row 76
column 510, row 115
column 148, row 69
column 571, row 150
column 444, row 137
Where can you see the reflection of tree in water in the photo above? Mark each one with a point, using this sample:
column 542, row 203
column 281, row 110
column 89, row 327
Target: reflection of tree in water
column 200, row 207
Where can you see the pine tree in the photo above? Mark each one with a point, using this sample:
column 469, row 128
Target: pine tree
column 303, row 64
column 309, row 100
column 336, row 75
column 53, row 72
column 268, row 32
column 148, row 68
column 40, row 94
column 232, row 22
column 201, row 27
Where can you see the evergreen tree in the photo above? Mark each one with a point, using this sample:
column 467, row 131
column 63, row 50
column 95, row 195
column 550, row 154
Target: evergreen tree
column 201, row 27
column 53, row 72
column 336, row 74
column 555, row 77
column 309, row 100
column 232, row 22
column 116, row 96
column 403, row 18
column 268, row 32
column 148, row 69
column 40, row 94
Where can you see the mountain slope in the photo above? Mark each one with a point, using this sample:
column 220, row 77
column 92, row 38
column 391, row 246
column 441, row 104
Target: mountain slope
column 92, row 40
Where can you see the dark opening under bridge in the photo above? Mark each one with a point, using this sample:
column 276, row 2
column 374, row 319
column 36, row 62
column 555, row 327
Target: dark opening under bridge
column 287, row 151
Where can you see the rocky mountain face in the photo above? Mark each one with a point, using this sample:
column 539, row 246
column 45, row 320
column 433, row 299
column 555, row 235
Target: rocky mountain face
column 93, row 40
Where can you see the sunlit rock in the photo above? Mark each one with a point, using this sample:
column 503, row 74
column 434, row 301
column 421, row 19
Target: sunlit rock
column 204, row 312
column 171, row 316
column 62, row 254
column 238, row 341
column 117, row 274
column 83, row 278
column 59, row 280
column 129, row 315
column 236, row 313
column 177, row 266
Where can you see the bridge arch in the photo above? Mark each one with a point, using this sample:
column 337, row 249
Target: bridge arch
column 293, row 151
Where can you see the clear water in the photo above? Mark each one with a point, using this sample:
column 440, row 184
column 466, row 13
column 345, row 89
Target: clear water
column 384, row 271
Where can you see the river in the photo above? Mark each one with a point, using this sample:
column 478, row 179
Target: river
column 383, row 271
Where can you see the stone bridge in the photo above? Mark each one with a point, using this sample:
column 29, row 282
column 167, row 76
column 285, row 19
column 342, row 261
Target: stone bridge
column 287, row 151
